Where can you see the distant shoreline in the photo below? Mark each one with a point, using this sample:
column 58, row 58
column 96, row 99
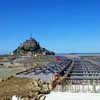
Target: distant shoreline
column 78, row 54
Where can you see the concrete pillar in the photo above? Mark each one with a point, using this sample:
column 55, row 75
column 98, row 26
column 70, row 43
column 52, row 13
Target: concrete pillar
column 88, row 83
column 94, row 86
column 83, row 86
column 78, row 85
column 75, row 86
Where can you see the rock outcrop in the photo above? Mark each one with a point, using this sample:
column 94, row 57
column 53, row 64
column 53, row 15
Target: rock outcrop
column 31, row 48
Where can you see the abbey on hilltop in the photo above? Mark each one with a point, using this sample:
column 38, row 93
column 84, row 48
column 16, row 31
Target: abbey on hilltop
column 31, row 48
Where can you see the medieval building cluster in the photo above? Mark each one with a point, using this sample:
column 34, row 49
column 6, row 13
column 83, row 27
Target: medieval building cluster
column 31, row 48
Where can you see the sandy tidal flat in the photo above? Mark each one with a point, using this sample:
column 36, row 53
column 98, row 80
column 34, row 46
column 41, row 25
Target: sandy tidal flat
column 72, row 96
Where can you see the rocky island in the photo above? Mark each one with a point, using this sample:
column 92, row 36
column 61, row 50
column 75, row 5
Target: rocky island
column 31, row 48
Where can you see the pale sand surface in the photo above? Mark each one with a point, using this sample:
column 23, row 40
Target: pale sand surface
column 72, row 96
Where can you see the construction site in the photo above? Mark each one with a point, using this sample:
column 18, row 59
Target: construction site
column 74, row 75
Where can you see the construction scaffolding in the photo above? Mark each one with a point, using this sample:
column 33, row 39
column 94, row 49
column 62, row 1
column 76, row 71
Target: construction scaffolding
column 74, row 86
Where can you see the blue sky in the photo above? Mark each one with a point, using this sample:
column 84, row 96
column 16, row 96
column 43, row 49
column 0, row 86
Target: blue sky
column 59, row 25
